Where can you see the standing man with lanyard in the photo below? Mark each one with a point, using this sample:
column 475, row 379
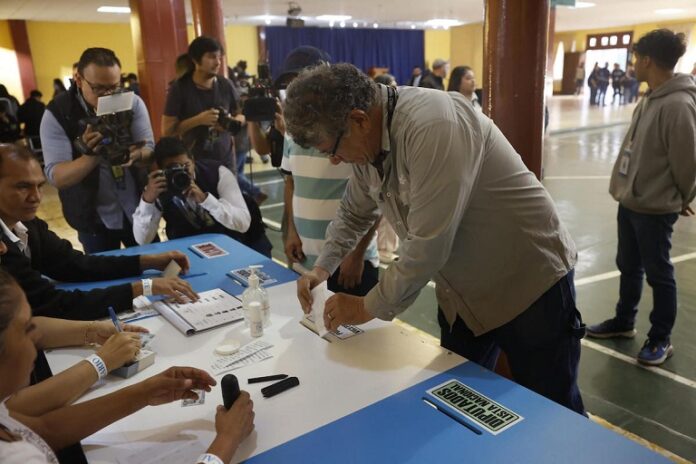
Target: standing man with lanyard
column 196, row 102
column 654, row 180
column 469, row 214
column 98, row 197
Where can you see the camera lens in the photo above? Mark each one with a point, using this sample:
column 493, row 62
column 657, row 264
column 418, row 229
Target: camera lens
column 181, row 180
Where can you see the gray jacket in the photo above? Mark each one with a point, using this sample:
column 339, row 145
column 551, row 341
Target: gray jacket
column 661, row 175
column 469, row 214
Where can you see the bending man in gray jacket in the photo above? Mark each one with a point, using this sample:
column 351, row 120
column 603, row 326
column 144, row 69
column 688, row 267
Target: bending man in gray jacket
column 654, row 180
column 469, row 213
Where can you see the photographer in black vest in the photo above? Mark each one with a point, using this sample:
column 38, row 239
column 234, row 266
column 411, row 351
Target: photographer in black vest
column 202, row 106
column 196, row 197
column 93, row 160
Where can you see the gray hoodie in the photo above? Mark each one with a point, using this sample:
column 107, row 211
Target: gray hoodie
column 661, row 175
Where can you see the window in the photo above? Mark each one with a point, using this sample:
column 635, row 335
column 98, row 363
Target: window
column 610, row 40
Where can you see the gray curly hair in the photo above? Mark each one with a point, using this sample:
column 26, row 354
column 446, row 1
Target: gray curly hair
column 320, row 99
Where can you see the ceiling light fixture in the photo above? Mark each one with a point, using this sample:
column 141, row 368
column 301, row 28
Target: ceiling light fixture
column 443, row 23
column 375, row 25
column 355, row 24
column 267, row 21
column 333, row 18
column 582, row 5
column 413, row 26
column 114, row 9
column 669, row 11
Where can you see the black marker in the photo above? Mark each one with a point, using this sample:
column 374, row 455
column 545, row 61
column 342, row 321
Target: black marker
column 268, row 378
column 280, row 387
column 230, row 390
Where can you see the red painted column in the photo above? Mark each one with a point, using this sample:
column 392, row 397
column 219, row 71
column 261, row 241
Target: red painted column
column 515, row 48
column 20, row 39
column 209, row 20
column 158, row 28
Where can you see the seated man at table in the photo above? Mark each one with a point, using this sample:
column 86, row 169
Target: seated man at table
column 38, row 425
column 196, row 197
column 33, row 251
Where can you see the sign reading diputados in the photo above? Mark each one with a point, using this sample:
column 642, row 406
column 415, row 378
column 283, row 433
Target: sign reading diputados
column 474, row 406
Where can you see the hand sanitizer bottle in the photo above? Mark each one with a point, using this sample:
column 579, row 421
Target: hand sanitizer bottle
column 255, row 294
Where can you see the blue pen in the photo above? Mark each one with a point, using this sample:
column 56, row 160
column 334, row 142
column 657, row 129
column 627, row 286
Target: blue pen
column 114, row 319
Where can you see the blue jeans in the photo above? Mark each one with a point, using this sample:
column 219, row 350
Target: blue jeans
column 244, row 183
column 542, row 344
column 645, row 241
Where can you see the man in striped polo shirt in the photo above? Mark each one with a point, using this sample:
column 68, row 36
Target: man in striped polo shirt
column 313, row 190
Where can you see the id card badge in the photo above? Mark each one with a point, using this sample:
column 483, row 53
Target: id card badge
column 625, row 160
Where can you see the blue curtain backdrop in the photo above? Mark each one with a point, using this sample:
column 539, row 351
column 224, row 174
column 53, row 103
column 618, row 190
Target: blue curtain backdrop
column 396, row 49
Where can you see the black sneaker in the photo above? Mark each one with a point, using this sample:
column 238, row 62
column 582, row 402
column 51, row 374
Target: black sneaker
column 655, row 352
column 610, row 329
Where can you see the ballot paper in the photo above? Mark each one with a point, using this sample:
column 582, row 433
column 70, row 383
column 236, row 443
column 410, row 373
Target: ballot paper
column 172, row 269
column 214, row 308
column 320, row 294
column 248, row 354
column 168, row 452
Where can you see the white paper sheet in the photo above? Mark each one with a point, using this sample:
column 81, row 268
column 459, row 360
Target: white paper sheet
column 178, row 452
column 241, row 358
column 213, row 309
column 320, row 294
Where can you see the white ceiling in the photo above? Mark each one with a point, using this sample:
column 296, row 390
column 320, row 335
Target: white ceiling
column 402, row 13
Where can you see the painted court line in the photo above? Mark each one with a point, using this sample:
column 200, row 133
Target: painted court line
column 272, row 205
column 269, row 182
column 630, row 360
column 612, row 274
column 576, row 177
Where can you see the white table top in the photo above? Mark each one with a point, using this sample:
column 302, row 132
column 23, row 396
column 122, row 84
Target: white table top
column 336, row 379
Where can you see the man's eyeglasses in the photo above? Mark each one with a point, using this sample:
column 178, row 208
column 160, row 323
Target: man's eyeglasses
column 338, row 141
column 101, row 90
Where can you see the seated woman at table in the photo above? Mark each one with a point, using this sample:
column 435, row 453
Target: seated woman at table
column 196, row 197
column 30, row 436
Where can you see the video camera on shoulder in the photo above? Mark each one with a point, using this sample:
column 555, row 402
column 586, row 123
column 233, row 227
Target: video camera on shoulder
column 178, row 179
column 261, row 104
column 113, row 121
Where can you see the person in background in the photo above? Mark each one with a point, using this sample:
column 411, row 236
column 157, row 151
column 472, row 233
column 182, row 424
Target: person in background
column 35, row 422
column 13, row 103
column 654, row 181
column 462, row 80
column 603, row 76
column 58, row 87
column 30, row 114
column 9, row 127
column 617, row 77
column 436, row 78
column 131, row 83
column 416, row 76
column 629, row 82
column 593, row 84
column 579, row 78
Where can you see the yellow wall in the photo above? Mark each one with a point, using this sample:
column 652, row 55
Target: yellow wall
column 56, row 46
column 9, row 68
column 437, row 45
column 467, row 48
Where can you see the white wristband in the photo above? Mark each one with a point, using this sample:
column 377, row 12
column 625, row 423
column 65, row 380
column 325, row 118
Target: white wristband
column 208, row 458
column 147, row 287
column 98, row 365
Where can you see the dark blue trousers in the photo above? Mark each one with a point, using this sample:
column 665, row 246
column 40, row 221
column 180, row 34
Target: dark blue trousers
column 645, row 241
column 542, row 344
column 370, row 277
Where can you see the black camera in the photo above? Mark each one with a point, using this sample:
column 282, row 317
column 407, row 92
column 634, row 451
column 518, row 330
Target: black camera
column 261, row 105
column 116, row 141
column 178, row 179
column 230, row 125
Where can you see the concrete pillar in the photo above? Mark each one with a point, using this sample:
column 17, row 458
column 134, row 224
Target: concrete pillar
column 20, row 39
column 158, row 28
column 515, row 46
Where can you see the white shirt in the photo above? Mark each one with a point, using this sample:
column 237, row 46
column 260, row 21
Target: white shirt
column 29, row 449
column 230, row 210
column 19, row 236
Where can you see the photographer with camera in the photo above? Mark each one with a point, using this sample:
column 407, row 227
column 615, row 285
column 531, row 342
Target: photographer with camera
column 90, row 159
column 202, row 106
column 196, row 197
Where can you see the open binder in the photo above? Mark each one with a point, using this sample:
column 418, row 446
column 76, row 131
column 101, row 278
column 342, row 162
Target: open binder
column 214, row 308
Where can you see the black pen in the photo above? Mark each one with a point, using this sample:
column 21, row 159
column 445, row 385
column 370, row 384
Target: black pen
column 268, row 378
column 451, row 416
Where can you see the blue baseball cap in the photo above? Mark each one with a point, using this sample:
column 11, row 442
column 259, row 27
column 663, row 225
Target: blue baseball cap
column 299, row 59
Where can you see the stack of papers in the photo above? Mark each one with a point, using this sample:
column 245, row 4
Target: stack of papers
column 248, row 354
